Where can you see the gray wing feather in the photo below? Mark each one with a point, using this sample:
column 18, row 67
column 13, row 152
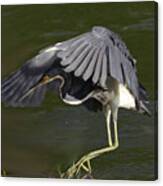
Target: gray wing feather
column 9, row 80
column 128, row 74
column 65, row 54
column 135, row 85
column 74, row 55
column 67, row 47
column 77, row 61
column 130, row 77
column 79, row 71
column 9, row 91
column 19, row 92
column 96, row 75
column 115, row 63
column 76, row 43
column 89, row 71
column 9, row 83
column 128, row 69
column 71, row 42
column 103, row 71
column 32, row 100
column 42, row 61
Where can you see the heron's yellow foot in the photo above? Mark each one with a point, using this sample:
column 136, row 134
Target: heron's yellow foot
column 75, row 169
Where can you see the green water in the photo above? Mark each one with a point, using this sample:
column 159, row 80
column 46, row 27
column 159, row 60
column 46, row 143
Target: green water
column 38, row 142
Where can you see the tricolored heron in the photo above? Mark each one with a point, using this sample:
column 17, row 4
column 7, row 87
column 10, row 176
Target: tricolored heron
column 95, row 69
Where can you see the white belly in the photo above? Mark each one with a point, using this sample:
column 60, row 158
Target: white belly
column 126, row 99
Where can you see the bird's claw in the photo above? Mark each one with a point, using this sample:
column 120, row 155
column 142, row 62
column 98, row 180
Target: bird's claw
column 75, row 169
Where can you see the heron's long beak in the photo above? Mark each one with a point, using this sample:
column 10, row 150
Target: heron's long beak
column 45, row 80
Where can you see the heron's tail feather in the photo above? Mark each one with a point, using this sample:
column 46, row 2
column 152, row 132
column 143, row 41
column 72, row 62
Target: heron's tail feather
column 144, row 102
column 143, row 109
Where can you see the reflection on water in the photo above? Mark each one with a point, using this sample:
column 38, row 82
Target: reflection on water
column 42, row 141
column 146, row 24
column 61, row 33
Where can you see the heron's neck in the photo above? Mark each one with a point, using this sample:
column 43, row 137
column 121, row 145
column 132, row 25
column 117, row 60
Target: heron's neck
column 59, row 77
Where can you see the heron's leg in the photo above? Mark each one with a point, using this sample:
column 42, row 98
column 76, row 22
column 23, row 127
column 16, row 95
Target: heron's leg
column 115, row 114
column 75, row 169
column 107, row 116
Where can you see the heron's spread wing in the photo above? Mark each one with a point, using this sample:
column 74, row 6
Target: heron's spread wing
column 98, row 54
column 19, row 82
column 90, row 57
